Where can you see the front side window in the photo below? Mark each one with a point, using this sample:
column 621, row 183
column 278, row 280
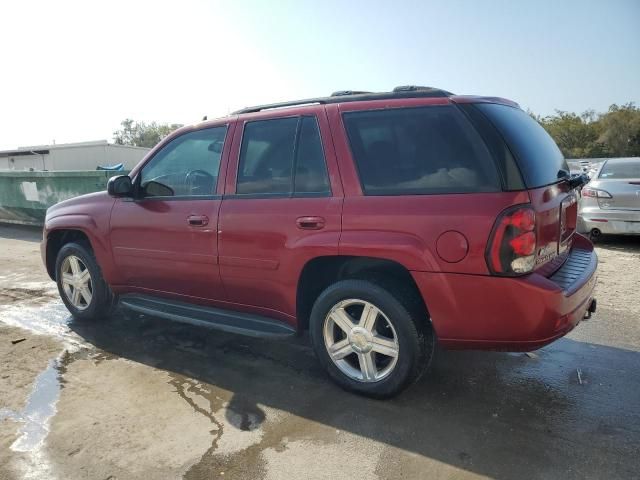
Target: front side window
column 187, row 166
column 282, row 156
column 423, row 150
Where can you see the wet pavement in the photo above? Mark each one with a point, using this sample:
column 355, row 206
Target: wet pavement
column 138, row 397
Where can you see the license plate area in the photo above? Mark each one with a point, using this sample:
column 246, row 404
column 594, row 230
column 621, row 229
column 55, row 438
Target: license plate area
column 568, row 221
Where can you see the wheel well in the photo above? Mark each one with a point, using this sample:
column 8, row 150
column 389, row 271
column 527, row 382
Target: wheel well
column 56, row 240
column 321, row 272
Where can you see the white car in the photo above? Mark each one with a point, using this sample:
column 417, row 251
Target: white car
column 610, row 202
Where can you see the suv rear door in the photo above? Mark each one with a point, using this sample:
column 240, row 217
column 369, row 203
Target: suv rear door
column 282, row 206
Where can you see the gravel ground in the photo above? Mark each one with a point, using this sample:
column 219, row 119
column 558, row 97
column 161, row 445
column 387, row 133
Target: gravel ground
column 137, row 398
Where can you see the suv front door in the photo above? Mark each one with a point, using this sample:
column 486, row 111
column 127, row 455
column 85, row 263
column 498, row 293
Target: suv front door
column 282, row 206
column 165, row 239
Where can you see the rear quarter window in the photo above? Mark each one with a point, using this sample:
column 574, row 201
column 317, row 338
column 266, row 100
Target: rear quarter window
column 539, row 158
column 417, row 151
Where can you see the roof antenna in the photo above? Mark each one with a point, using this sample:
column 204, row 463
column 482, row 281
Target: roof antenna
column 204, row 118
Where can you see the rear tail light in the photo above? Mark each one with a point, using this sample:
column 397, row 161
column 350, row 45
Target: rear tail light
column 512, row 246
column 595, row 193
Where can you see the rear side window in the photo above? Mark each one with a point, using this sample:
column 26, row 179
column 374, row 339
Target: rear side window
column 424, row 150
column 539, row 158
column 311, row 169
column 620, row 169
column 282, row 156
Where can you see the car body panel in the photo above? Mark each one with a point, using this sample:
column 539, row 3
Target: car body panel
column 155, row 248
column 505, row 313
column 90, row 215
column 625, row 194
column 554, row 235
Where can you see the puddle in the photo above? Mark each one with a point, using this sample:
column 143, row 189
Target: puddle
column 50, row 319
column 40, row 408
column 42, row 316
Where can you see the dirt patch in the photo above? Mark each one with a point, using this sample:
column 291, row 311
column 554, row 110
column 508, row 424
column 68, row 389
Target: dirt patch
column 619, row 275
column 33, row 296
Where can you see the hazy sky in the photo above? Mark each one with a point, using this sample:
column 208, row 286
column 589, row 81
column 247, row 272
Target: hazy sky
column 71, row 71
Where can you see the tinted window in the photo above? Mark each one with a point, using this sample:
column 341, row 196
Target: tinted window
column 620, row 169
column 539, row 158
column 270, row 151
column 266, row 157
column 419, row 151
column 188, row 165
column 311, row 169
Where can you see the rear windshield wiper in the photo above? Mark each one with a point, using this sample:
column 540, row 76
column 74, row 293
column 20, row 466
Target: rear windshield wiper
column 578, row 180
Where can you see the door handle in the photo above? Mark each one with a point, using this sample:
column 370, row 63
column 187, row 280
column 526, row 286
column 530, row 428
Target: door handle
column 198, row 220
column 310, row 223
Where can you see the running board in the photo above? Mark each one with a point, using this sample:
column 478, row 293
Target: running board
column 216, row 318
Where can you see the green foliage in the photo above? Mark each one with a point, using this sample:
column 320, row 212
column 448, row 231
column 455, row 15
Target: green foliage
column 615, row 133
column 141, row 134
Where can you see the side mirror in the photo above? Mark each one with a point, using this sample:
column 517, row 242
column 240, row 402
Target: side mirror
column 120, row 186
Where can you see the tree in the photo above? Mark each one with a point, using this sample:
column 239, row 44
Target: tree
column 615, row 133
column 141, row 134
column 620, row 130
column 576, row 135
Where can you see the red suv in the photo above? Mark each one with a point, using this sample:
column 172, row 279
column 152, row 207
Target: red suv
column 377, row 221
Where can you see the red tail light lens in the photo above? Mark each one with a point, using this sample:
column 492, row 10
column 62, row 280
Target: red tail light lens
column 523, row 218
column 512, row 246
column 524, row 244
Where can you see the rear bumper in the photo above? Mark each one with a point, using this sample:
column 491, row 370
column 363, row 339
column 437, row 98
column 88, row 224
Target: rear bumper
column 512, row 314
column 614, row 222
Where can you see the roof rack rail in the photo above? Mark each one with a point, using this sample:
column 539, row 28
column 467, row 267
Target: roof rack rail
column 408, row 91
column 342, row 93
column 411, row 88
column 269, row 106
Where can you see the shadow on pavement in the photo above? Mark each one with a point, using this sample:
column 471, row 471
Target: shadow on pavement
column 568, row 411
column 20, row 232
column 620, row 243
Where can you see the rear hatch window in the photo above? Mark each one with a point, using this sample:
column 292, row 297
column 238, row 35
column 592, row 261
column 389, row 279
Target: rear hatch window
column 421, row 150
column 539, row 158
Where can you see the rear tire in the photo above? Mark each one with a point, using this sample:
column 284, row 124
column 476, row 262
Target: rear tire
column 370, row 339
column 80, row 283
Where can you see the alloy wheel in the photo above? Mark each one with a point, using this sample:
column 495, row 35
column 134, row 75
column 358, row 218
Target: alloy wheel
column 76, row 282
column 361, row 340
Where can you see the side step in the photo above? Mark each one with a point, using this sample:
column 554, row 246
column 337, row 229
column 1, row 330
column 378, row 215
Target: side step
column 216, row 318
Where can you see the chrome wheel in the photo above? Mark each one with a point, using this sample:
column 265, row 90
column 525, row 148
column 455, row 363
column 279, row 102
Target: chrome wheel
column 76, row 282
column 361, row 340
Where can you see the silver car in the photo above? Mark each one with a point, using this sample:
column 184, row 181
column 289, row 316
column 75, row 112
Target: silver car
column 610, row 202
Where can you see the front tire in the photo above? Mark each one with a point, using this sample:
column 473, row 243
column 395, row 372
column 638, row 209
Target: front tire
column 80, row 283
column 371, row 341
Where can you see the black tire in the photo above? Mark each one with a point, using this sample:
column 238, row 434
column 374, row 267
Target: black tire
column 409, row 320
column 102, row 301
